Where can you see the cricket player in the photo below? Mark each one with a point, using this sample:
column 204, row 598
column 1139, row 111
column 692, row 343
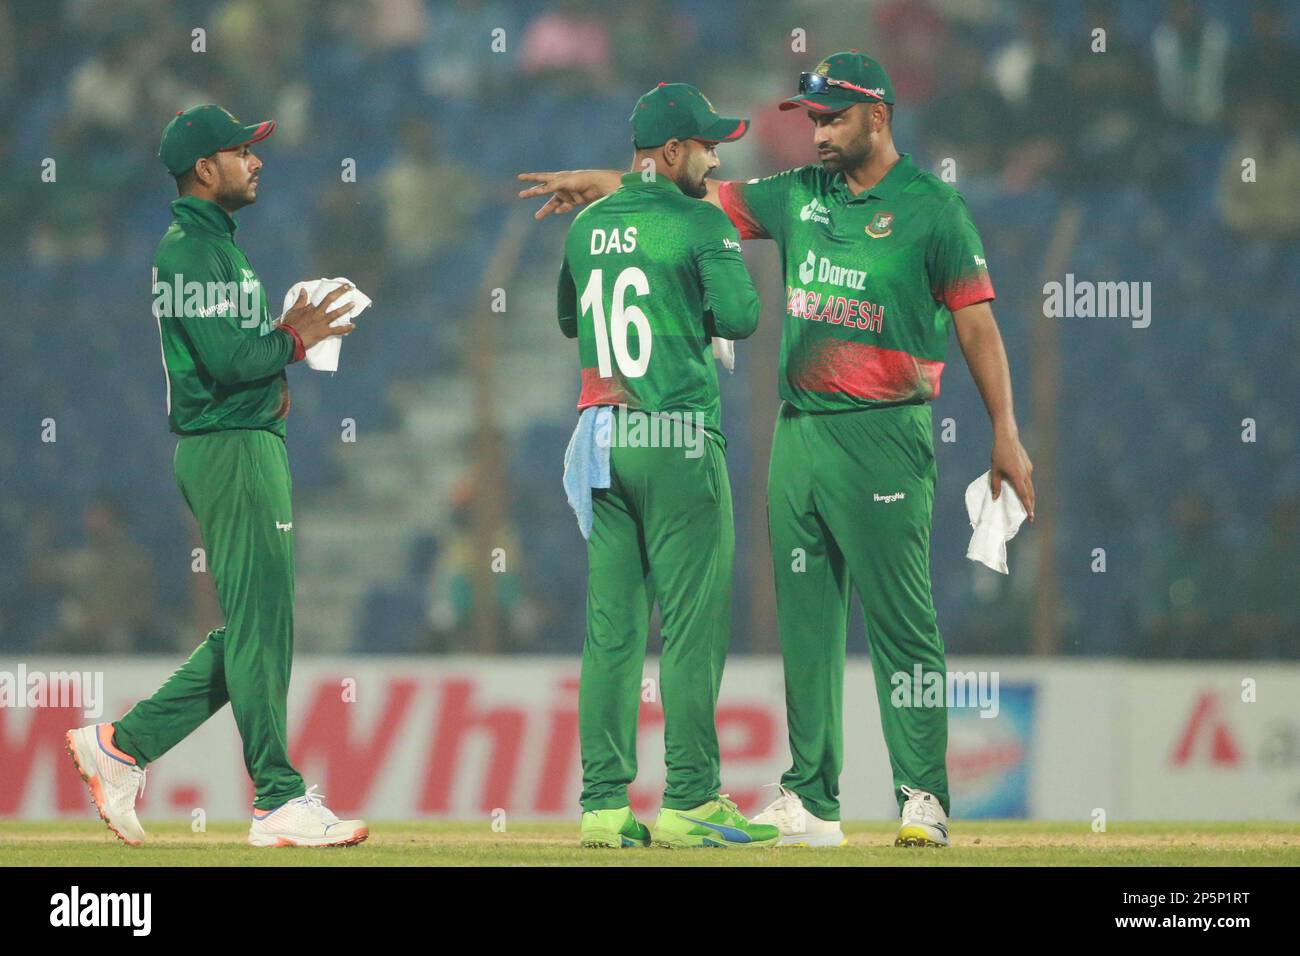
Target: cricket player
column 227, row 398
column 880, row 259
column 650, row 276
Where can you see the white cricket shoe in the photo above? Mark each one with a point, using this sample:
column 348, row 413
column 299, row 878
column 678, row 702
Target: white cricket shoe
column 798, row 827
column 924, row 822
column 305, row 821
column 112, row 776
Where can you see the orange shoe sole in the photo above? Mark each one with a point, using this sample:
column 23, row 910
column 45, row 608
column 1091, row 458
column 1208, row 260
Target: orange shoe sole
column 96, row 790
column 358, row 837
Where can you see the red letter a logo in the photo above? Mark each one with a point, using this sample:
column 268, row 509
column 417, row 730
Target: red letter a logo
column 1206, row 720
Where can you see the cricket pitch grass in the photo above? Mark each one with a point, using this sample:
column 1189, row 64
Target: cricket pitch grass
column 975, row 843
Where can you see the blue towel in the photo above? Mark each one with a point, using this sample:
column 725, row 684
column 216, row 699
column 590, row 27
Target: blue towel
column 586, row 462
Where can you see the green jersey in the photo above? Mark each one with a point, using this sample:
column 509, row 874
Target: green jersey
column 871, row 280
column 223, row 359
column 650, row 276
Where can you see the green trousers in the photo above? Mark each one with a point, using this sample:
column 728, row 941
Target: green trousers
column 849, row 500
column 662, row 531
column 237, row 485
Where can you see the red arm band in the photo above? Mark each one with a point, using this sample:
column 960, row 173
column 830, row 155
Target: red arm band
column 298, row 351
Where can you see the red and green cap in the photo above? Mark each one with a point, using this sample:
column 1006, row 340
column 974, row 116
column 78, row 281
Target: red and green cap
column 840, row 81
column 203, row 130
column 680, row 111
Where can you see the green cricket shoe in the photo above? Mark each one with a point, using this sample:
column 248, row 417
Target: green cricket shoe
column 613, row 828
column 716, row 823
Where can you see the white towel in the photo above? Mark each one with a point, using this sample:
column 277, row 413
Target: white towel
column 995, row 522
column 324, row 355
column 724, row 350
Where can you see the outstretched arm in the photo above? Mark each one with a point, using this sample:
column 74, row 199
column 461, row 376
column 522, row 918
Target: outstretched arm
column 571, row 188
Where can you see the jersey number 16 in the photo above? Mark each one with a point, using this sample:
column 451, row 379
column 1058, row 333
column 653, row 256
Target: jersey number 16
column 593, row 301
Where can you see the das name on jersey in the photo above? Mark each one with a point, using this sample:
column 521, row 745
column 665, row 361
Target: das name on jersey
column 612, row 241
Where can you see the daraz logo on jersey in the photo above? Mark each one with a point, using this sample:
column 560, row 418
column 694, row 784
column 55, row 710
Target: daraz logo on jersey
column 823, row 270
column 816, row 212
column 808, row 268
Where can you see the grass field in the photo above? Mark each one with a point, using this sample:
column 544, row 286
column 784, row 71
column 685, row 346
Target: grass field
column 1010, row 843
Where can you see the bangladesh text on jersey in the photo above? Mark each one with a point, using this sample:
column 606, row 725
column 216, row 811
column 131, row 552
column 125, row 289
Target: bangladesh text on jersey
column 871, row 280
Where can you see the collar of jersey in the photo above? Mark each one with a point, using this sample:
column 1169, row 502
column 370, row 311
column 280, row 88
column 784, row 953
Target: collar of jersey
column 205, row 213
column 899, row 175
column 662, row 182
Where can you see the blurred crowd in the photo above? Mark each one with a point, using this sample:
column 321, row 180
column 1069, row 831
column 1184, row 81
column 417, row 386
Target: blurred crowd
column 1139, row 114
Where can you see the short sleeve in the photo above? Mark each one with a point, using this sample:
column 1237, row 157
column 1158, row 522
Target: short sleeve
column 954, row 259
column 757, row 208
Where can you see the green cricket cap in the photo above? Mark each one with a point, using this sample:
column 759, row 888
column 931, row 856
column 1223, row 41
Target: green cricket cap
column 840, row 81
column 203, row 130
column 680, row 111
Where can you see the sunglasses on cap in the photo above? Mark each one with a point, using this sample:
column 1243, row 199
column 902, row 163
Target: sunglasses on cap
column 816, row 83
